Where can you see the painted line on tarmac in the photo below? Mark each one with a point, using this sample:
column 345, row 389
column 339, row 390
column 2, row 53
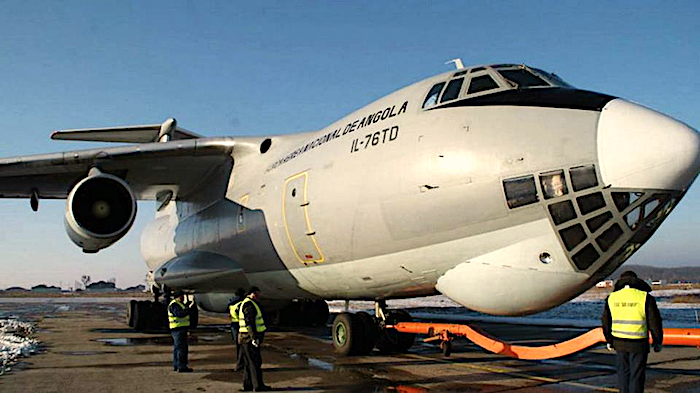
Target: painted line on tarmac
column 496, row 370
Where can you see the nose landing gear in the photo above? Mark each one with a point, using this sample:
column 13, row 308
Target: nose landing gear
column 359, row 333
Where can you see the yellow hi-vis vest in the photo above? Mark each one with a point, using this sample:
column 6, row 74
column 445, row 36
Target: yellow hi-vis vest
column 627, row 307
column 259, row 323
column 176, row 322
column 233, row 310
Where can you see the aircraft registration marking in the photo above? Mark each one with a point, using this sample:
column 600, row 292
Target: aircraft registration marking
column 366, row 121
column 377, row 138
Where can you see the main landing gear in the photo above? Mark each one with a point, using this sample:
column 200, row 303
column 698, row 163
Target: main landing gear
column 147, row 315
column 302, row 313
column 359, row 333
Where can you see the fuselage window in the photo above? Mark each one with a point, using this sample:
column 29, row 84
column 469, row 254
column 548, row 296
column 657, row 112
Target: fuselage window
column 624, row 199
column 586, row 257
column 632, row 218
column 583, row 177
column 433, row 95
column 572, row 236
column 590, row 203
column 520, row 191
column 553, row 184
column 609, row 237
column 597, row 222
column 481, row 83
column 523, row 78
column 562, row 212
column 452, row 90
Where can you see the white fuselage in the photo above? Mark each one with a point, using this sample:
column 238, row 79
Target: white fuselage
column 395, row 201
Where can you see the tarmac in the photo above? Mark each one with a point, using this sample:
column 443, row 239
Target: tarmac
column 88, row 347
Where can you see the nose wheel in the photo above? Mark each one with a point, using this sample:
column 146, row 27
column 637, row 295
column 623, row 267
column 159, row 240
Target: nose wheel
column 354, row 334
column 359, row 333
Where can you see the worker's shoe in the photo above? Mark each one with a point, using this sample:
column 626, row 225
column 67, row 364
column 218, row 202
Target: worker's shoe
column 264, row 388
column 185, row 370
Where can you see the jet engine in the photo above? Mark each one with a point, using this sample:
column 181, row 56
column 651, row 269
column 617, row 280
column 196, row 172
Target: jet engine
column 100, row 210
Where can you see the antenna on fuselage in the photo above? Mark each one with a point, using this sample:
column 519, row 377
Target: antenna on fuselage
column 458, row 63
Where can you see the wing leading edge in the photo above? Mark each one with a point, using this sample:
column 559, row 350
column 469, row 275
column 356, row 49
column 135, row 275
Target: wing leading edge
column 180, row 167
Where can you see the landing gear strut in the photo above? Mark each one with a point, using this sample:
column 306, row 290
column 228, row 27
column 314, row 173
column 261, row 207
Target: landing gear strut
column 359, row 333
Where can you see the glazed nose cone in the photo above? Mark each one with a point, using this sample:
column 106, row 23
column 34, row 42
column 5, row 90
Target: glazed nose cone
column 641, row 148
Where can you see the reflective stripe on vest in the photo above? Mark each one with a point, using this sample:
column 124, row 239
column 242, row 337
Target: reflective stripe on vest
column 176, row 322
column 627, row 307
column 233, row 310
column 259, row 323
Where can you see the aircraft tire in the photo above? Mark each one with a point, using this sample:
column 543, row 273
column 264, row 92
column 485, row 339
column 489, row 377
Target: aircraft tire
column 142, row 314
column 320, row 313
column 347, row 334
column 369, row 333
column 159, row 316
column 391, row 341
column 130, row 313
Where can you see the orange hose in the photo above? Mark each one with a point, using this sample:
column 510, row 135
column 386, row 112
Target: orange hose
column 686, row 337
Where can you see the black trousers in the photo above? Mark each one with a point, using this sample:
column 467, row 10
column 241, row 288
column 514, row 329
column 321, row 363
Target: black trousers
column 239, row 347
column 180, row 348
column 252, row 366
column 631, row 371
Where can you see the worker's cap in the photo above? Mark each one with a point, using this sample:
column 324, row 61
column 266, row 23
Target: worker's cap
column 628, row 274
column 178, row 293
column 253, row 289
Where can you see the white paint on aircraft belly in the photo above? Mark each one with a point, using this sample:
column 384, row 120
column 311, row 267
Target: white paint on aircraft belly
column 511, row 250
column 512, row 280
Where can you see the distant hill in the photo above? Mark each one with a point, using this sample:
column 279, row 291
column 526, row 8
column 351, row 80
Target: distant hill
column 669, row 274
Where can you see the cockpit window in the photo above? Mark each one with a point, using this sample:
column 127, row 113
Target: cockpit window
column 475, row 82
column 481, row 83
column 583, row 177
column 452, row 90
column 552, row 78
column 523, row 78
column 433, row 95
column 553, row 184
column 520, row 191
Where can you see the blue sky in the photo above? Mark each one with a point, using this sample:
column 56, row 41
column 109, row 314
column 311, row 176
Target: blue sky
column 255, row 68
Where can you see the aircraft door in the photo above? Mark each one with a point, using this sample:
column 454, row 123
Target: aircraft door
column 300, row 233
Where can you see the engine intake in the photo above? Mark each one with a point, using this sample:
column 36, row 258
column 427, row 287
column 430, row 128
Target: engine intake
column 99, row 211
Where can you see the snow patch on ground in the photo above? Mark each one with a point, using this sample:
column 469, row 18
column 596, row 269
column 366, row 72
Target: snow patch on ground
column 15, row 341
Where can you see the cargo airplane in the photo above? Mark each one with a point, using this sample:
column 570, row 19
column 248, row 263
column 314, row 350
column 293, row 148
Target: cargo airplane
column 500, row 186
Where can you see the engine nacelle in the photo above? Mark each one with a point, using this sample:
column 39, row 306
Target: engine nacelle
column 99, row 211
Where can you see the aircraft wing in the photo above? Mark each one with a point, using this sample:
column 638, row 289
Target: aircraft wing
column 179, row 166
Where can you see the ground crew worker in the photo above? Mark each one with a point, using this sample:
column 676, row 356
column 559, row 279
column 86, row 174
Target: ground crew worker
column 234, row 308
column 179, row 318
column 630, row 315
column 250, row 336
